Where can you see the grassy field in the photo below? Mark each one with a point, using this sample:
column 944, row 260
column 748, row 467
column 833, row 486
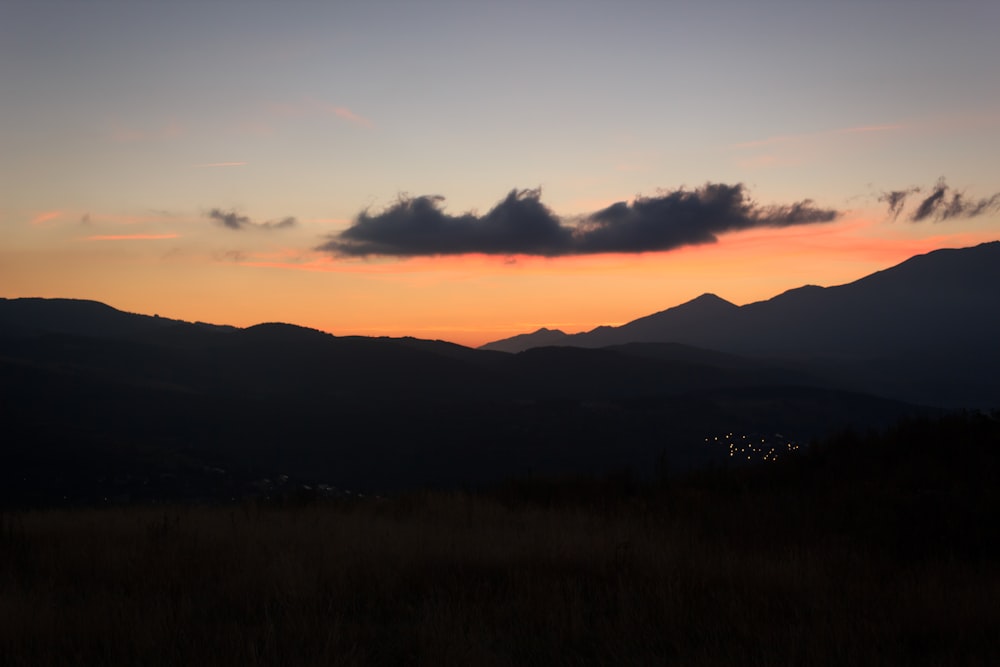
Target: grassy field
column 867, row 550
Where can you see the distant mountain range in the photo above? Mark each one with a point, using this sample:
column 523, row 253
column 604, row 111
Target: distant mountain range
column 926, row 330
column 101, row 403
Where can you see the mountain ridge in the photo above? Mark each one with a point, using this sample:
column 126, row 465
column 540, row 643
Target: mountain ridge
column 95, row 397
column 923, row 331
column 949, row 274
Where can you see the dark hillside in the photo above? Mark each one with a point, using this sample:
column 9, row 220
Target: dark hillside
column 33, row 316
column 184, row 411
column 923, row 331
column 874, row 548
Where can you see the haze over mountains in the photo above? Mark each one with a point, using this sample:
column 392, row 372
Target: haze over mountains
column 99, row 403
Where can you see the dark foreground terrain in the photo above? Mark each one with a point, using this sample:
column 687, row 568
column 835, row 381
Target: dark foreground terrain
column 863, row 549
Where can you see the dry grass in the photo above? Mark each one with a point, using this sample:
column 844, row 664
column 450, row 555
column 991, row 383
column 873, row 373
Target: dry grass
column 463, row 579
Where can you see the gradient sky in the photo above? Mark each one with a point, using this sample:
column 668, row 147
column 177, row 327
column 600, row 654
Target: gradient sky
column 191, row 159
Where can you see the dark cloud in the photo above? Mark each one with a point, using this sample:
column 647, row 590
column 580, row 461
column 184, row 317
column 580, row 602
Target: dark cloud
column 232, row 256
column 985, row 205
column 686, row 217
column 521, row 224
column 931, row 203
column 942, row 203
column 896, row 199
column 233, row 220
column 230, row 219
column 287, row 221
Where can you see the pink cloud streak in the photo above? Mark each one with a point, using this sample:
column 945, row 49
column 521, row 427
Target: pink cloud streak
column 348, row 115
column 45, row 216
column 131, row 237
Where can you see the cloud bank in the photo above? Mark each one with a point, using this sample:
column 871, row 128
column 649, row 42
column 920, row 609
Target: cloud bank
column 521, row 224
column 235, row 221
column 941, row 203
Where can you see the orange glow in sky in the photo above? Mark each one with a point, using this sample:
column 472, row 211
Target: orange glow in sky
column 173, row 159
column 468, row 299
column 473, row 299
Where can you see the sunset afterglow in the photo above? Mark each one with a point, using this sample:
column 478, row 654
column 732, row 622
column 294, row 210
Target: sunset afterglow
column 468, row 172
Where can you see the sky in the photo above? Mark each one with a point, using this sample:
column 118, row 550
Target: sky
column 468, row 171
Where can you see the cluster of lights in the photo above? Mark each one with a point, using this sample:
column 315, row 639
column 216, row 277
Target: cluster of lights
column 751, row 446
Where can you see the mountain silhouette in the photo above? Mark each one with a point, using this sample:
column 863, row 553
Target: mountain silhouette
column 83, row 318
column 98, row 402
column 924, row 330
column 101, row 403
column 273, row 359
column 683, row 322
column 521, row 342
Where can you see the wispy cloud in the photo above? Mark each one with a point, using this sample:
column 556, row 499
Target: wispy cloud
column 222, row 164
column 45, row 216
column 235, row 256
column 131, row 237
column 127, row 219
column 896, row 199
column 348, row 115
column 789, row 150
column 311, row 107
column 520, row 224
column 812, row 136
column 233, row 220
column 941, row 202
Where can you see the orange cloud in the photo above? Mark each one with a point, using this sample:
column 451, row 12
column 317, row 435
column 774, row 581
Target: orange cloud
column 348, row 115
column 45, row 216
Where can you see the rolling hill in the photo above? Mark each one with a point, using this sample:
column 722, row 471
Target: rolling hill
column 102, row 404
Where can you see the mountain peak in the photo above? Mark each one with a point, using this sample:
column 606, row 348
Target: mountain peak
column 539, row 338
column 706, row 303
column 709, row 297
